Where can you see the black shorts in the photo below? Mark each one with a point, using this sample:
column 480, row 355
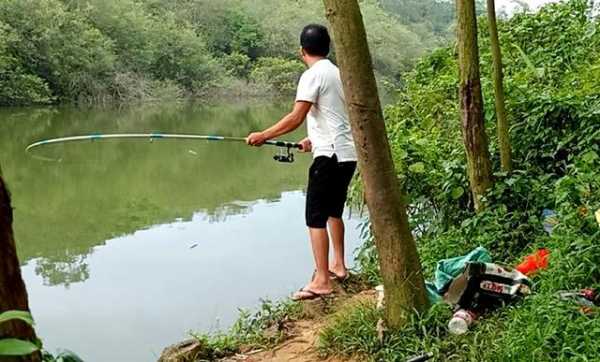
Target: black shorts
column 328, row 182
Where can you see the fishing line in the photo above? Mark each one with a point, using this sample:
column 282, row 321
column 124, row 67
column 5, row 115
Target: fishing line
column 286, row 157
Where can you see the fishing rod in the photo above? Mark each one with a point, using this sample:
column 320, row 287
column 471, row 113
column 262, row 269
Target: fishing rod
column 287, row 157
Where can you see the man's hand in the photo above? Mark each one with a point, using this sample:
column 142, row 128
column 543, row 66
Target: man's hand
column 256, row 139
column 306, row 145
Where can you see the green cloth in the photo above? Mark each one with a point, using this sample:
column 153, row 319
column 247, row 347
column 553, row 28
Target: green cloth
column 448, row 269
column 432, row 293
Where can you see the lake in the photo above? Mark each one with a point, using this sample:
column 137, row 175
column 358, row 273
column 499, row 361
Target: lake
column 127, row 246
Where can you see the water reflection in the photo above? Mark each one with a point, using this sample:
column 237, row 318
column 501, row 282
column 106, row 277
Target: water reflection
column 103, row 190
column 73, row 269
column 150, row 288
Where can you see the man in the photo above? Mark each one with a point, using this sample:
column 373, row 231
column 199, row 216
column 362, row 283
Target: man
column 320, row 100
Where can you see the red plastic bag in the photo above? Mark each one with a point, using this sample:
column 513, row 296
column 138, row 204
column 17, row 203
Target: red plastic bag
column 534, row 262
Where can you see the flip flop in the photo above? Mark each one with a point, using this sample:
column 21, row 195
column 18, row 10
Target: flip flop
column 309, row 295
column 340, row 279
column 333, row 276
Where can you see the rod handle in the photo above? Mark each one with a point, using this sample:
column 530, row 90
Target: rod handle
column 284, row 144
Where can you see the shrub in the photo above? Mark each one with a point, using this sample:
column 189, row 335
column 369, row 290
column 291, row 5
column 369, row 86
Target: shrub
column 156, row 46
column 58, row 46
column 17, row 86
column 237, row 64
column 277, row 74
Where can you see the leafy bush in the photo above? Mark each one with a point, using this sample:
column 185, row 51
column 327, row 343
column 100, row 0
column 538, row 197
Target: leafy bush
column 551, row 66
column 238, row 64
column 181, row 55
column 17, row 86
column 80, row 50
column 276, row 74
column 240, row 34
column 155, row 47
column 58, row 46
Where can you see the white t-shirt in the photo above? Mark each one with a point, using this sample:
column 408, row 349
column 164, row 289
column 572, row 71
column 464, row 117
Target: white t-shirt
column 327, row 121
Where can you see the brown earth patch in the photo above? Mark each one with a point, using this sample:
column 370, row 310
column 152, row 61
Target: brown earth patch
column 301, row 339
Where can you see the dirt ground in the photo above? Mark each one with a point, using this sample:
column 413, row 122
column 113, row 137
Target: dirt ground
column 300, row 336
column 300, row 345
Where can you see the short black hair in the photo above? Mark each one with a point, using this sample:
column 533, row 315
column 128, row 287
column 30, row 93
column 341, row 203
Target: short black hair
column 315, row 40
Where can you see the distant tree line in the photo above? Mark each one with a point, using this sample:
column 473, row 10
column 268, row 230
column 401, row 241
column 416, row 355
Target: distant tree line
column 98, row 51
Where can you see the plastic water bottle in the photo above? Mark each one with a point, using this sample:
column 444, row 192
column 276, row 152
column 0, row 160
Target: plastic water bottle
column 550, row 220
column 460, row 322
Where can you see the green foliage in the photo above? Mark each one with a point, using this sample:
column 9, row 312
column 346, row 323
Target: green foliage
column 251, row 327
column 252, row 330
column 238, row 64
column 436, row 14
column 133, row 30
column 276, row 74
column 82, row 49
column 155, row 47
column 394, row 45
column 181, row 56
column 58, row 46
column 146, row 50
column 13, row 346
column 16, row 85
column 353, row 330
column 62, row 356
column 551, row 66
column 16, row 347
column 241, row 34
column 352, row 325
column 16, row 315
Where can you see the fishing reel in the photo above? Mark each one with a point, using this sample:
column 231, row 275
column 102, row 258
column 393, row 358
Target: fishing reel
column 285, row 156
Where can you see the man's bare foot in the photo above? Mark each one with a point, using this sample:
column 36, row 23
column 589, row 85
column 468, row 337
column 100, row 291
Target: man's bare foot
column 307, row 294
column 320, row 284
column 338, row 271
column 315, row 289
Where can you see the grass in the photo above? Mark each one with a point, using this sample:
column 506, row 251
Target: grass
column 260, row 330
column 541, row 327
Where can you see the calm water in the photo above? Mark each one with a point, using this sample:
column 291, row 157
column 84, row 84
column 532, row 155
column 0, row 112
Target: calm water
column 126, row 247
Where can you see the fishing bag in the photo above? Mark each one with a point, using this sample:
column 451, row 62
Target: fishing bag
column 486, row 285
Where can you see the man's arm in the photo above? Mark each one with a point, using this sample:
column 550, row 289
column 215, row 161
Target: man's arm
column 286, row 125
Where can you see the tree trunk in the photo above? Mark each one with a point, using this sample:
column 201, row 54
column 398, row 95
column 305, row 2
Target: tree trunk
column 503, row 126
column 13, row 295
column 398, row 257
column 471, row 103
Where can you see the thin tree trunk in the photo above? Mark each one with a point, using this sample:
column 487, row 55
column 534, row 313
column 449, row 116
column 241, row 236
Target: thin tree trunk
column 13, row 295
column 503, row 126
column 398, row 257
column 471, row 103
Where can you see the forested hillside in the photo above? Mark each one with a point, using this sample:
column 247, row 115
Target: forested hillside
column 437, row 16
column 104, row 50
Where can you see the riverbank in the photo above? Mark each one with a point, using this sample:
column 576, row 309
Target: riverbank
column 281, row 331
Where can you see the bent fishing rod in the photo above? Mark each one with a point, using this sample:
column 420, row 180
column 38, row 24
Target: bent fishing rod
column 287, row 157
